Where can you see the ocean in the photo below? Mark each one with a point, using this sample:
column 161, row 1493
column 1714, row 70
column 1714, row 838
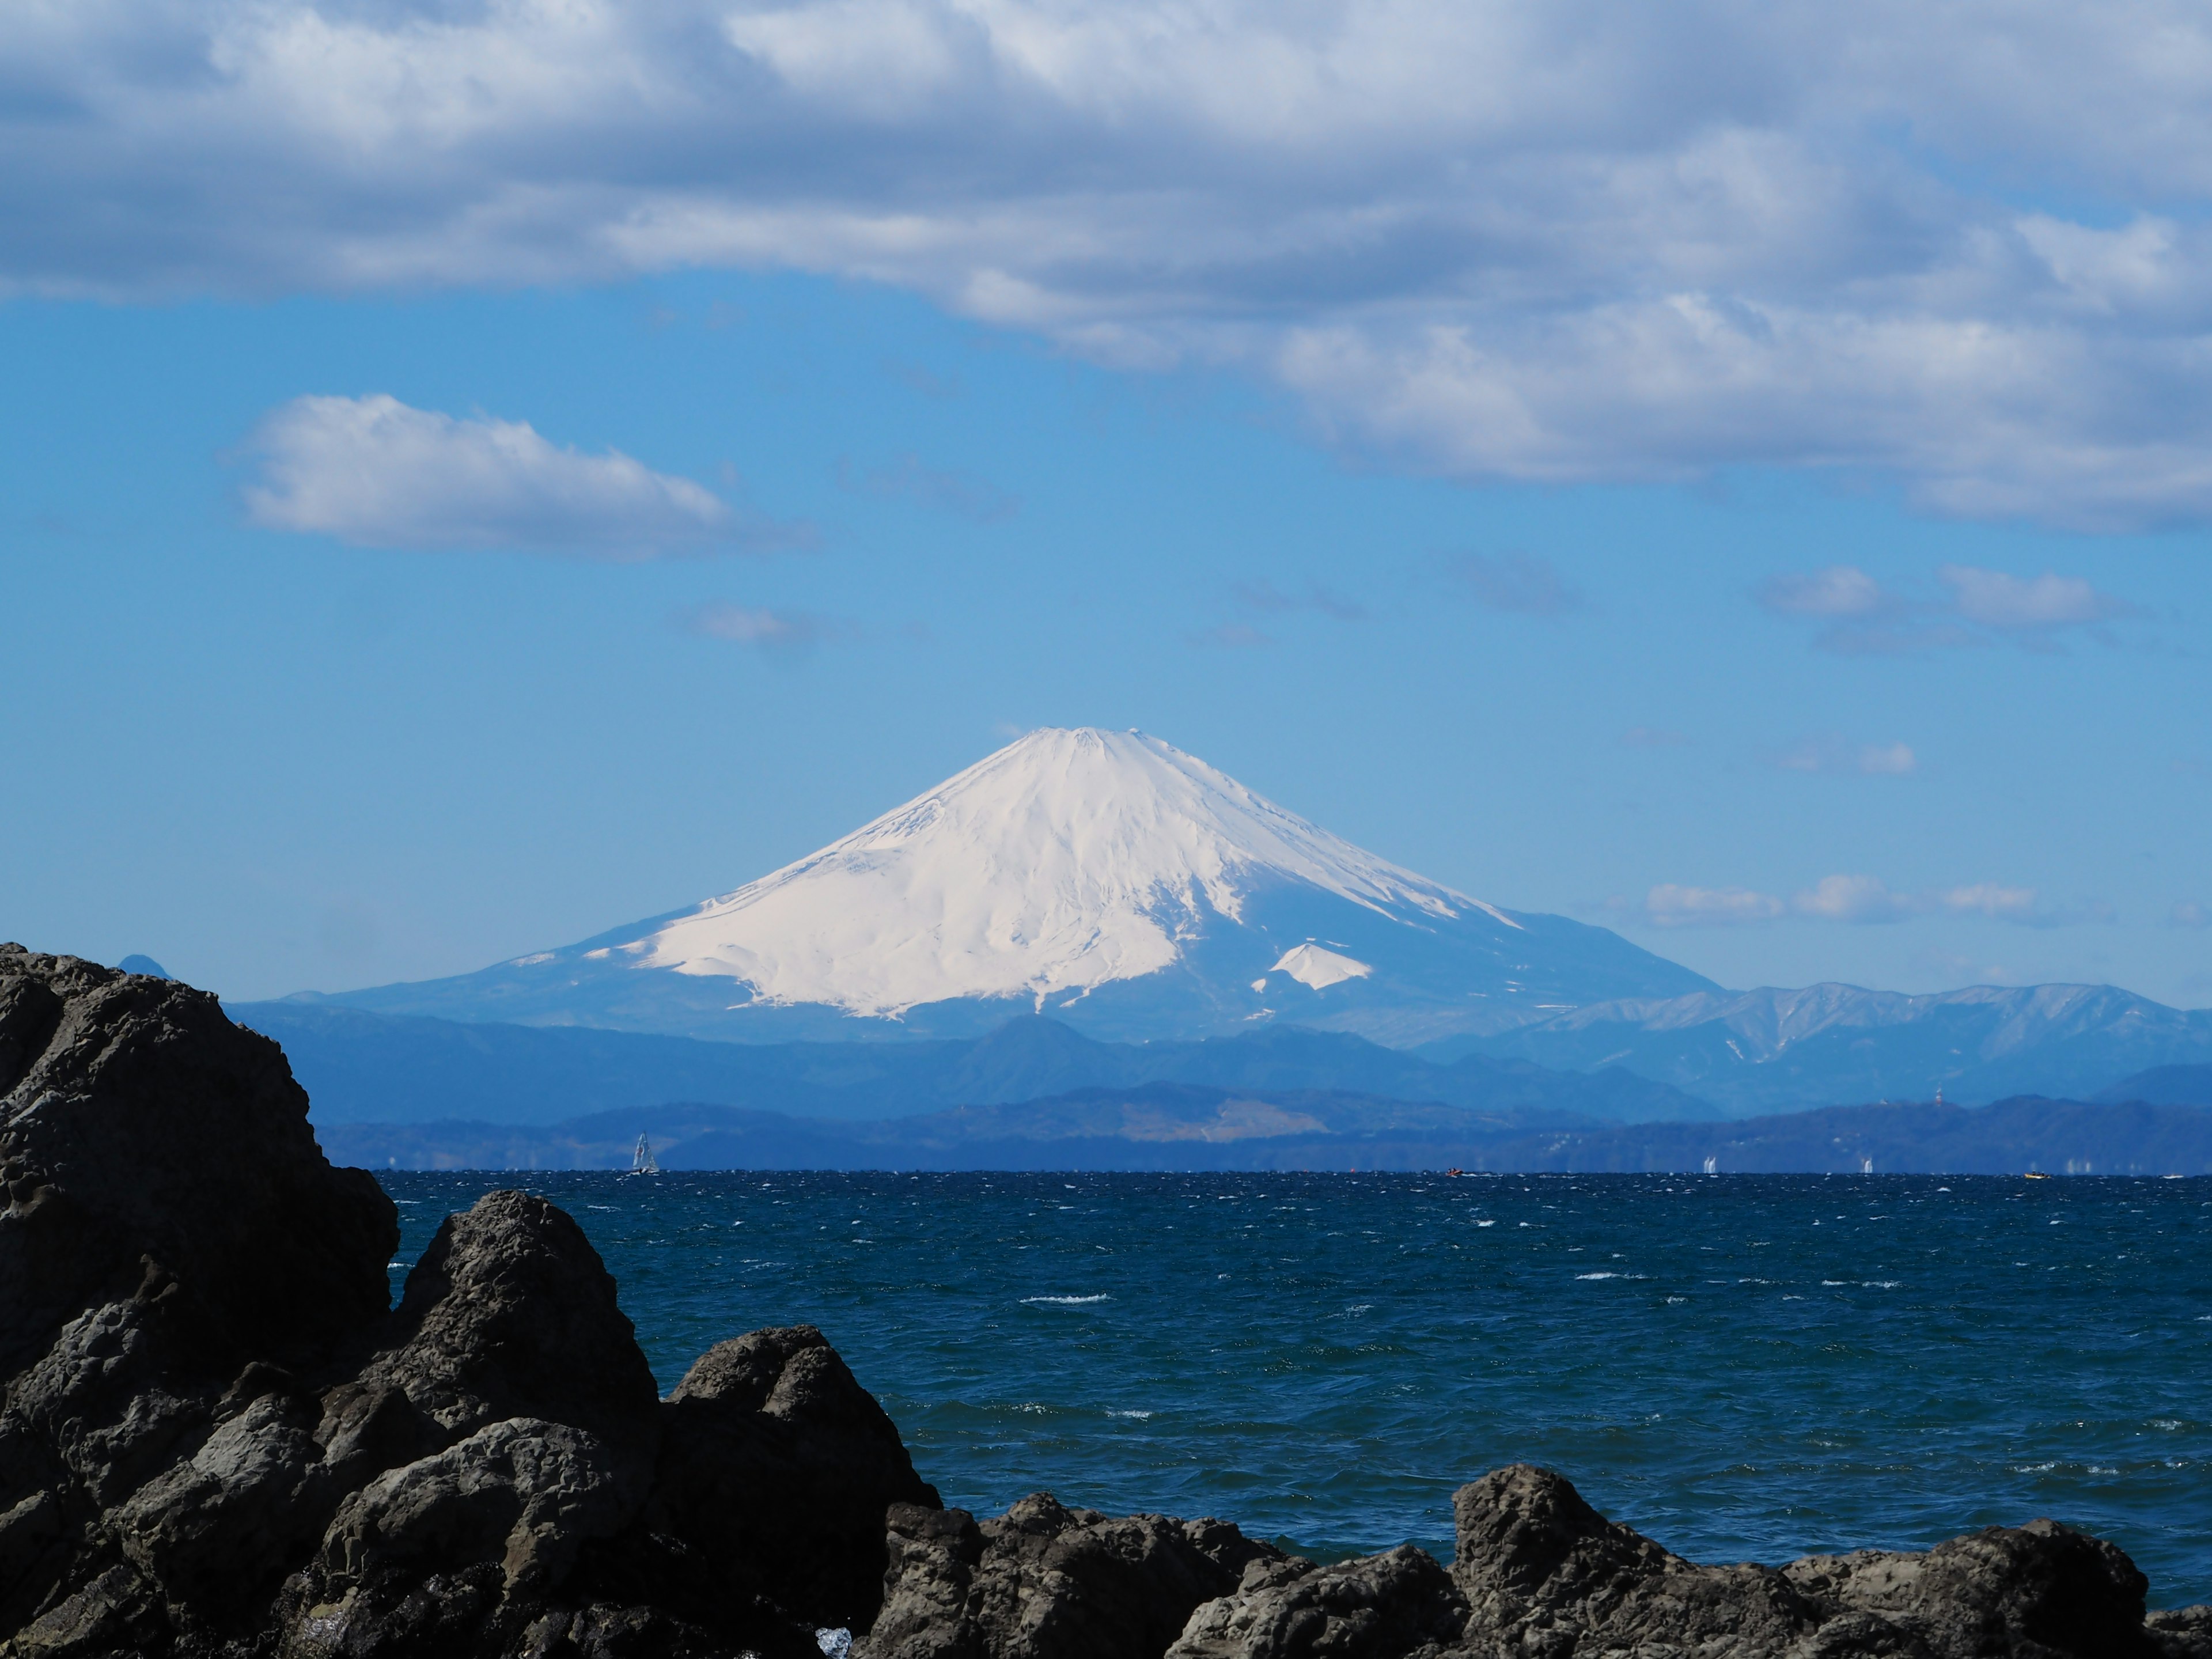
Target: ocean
column 1745, row 1368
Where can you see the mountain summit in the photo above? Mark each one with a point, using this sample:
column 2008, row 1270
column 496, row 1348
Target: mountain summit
column 1105, row 878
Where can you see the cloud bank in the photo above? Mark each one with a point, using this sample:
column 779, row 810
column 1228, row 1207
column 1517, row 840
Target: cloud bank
column 377, row 473
column 1963, row 246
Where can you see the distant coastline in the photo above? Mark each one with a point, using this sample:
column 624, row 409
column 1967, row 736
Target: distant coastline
column 1160, row 1127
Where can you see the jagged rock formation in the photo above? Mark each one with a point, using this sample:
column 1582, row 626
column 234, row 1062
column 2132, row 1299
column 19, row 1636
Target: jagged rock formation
column 1046, row 1582
column 1538, row 1574
column 217, row 1442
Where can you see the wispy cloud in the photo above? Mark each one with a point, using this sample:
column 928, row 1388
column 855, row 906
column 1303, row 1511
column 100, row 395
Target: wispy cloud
column 1992, row 599
column 761, row 629
column 2191, row 915
column 1859, row 901
column 1838, row 592
column 375, row 472
column 946, row 489
column 1516, row 582
column 1832, row 755
column 1264, row 598
column 1860, row 618
column 1651, row 737
column 1669, row 905
column 2022, row 906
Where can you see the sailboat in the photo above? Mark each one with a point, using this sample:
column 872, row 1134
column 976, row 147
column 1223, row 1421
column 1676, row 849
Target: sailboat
column 641, row 1161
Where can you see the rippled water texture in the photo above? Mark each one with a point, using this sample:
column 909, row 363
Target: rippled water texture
column 1744, row 1367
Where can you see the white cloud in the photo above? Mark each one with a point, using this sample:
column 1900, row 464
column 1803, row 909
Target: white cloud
column 1863, row 619
column 1671, row 906
column 1831, row 755
column 1995, row 599
column 2023, row 906
column 1549, row 241
column 2191, row 915
column 375, row 472
column 1840, row 591
column 1855, row 899
column 1861, row 900
column 771, row 630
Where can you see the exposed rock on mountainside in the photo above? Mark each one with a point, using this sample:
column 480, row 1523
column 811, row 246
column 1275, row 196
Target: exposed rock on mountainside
column 217, row 1442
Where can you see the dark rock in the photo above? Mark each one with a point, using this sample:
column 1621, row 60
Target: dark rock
column 780, row 1467
column 2182, row 1632
column 509, row 1313
column 2038, row 1589
column 1046, row 1582
column 218, row 1442
column 1398, row 1605
column 1546, row 1575
column 150, row 1148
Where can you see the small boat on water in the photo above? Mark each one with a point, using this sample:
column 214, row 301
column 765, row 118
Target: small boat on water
column 641, row 1161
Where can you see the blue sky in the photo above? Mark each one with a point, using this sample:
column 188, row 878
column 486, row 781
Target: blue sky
column 1763, row 512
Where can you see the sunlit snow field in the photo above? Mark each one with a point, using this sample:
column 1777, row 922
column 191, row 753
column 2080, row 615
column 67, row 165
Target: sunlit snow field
column 1743, row 1367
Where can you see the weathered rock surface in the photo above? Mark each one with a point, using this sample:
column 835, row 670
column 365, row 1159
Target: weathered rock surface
column 1537, row 1574
column 217, row 1439
column 217, row 1442
column 1047, row 1581
column 778, row 1413
column 1544, row 1574
column 1398, row 1605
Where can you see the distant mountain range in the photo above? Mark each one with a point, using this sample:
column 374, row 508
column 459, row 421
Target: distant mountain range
column 362, row 1067
column 1763, row 1051
column 1165, row 1125
column 1138, row 898
column 1678, row 1066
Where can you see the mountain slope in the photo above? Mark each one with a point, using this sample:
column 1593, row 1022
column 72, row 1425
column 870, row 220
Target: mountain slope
column 2164, row 1085
column 1766, row 1050
column 1104, row 876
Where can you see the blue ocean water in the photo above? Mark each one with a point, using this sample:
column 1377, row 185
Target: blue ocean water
column 1743, row 1367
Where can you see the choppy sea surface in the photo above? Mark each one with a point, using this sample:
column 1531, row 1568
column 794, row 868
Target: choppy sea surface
column 1745, row 1368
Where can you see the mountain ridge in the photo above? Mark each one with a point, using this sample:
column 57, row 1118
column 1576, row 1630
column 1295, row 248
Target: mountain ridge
column 1766, row 1049
column 362, row 1067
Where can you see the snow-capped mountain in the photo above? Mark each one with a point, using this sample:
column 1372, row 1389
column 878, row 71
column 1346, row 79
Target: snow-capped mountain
column 1104, row 877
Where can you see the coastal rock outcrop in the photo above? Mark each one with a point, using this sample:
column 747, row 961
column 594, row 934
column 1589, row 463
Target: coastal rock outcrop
column 217, row 1441
column 1536, row 1574
column 1047, row 1581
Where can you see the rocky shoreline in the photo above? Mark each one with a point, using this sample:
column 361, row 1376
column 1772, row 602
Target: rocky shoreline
column 218, row 1440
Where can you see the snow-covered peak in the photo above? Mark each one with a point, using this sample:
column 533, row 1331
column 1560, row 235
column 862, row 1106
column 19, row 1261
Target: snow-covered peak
column 1066, row 859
